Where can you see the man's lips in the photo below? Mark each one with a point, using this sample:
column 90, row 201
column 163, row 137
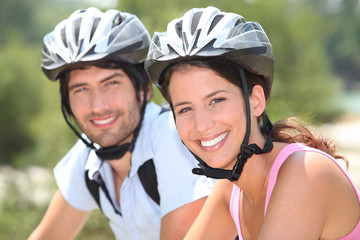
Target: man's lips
column 104, row 122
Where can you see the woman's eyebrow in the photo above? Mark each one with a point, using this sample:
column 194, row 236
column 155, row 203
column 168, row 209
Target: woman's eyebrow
column 206, row 97
column 181, row 103
column 213, row 93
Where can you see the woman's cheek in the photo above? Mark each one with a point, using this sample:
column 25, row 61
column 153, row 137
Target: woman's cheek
column 183, row 129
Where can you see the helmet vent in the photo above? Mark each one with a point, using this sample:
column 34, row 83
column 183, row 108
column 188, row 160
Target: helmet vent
column 117, row 20
column 156, row 41
column 114, row 33
column 63, row 37
column 77, row 29
column 195, row 21
column 240, row 29
column 256, row 26
column 178, row 28
column 93, row 29
column 240, row 20
column 235, row 31
column 215, row 21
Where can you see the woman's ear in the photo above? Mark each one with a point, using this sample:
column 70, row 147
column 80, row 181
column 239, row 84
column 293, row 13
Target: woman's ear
column 257, row 101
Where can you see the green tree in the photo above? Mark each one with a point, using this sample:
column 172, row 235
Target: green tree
column 343, row 44
column 18, row 97
column 25, row 98
column 303, row 83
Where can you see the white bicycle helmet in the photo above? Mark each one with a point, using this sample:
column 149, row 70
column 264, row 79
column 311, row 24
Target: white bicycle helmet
column 208, row 32
column 91, row 35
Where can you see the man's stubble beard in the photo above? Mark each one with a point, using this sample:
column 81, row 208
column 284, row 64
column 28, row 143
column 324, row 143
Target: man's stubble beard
column 125, row 126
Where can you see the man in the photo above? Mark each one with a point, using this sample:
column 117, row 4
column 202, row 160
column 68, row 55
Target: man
column 129, row 159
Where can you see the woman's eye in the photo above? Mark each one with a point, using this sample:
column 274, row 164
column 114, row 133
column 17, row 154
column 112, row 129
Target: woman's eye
column 184, row 110
column 217, row 100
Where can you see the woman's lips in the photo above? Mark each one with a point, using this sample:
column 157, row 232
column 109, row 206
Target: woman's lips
column 214, row 141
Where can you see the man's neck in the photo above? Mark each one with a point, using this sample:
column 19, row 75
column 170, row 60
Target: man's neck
column 121, row 167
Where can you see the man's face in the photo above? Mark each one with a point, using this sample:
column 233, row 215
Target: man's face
column 104, row 104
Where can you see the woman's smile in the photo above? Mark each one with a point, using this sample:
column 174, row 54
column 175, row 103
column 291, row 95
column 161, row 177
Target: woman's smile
column 210, row 114
column 214, row 143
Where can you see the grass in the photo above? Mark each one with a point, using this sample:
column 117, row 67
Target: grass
column 20, row 213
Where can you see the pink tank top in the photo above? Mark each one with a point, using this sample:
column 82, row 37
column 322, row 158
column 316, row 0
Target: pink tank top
column 280, row 159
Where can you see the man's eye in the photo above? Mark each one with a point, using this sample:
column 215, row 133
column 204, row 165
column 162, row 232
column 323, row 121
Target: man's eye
column 79, row 90
column 112, row 83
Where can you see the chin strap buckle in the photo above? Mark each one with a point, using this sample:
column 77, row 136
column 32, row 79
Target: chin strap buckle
column 246, row 151
column 235, row 174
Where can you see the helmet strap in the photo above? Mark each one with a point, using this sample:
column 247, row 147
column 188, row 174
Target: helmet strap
column 246, row 150
column 113, row 152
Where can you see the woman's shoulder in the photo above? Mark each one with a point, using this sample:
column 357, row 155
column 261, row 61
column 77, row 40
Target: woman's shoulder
column 312, row 180
column 310, row 175
column 311, row 164
column 308, row 170
column 223, row 190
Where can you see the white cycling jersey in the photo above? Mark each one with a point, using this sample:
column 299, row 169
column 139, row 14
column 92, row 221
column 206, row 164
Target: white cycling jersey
column 139, row 216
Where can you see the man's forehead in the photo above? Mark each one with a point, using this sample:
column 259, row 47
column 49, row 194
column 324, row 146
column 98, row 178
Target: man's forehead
column 94, row 73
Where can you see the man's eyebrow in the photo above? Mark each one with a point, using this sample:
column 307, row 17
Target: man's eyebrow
column 103, row 80
column 113, row 76
column 77, row 85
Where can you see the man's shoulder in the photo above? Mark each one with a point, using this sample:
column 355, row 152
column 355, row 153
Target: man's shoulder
column 154, row 111
column 78, row 153
column 158, row 119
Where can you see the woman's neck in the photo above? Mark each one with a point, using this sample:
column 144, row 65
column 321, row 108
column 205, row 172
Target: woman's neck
column 254, row 178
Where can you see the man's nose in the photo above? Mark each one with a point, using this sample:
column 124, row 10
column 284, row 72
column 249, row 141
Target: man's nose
column 98, row 101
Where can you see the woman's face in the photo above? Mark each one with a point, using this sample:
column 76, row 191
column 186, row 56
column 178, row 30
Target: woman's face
column 210, row 114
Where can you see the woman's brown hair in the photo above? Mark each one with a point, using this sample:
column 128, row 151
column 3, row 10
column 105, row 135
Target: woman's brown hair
column 290, row 130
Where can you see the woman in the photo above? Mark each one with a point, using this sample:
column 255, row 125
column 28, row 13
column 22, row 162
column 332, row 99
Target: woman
column 215, row 69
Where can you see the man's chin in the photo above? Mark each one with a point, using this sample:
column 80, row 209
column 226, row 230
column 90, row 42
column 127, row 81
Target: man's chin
column 105, row 143
column 108, row 140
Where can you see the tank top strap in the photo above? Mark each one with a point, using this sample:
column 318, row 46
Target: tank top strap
column 234, row 208
column 280, row 159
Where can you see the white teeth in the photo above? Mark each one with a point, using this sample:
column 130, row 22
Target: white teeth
column 104, row 121
column 214, row 141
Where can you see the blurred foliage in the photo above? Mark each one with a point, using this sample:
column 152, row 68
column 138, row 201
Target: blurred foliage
column 316, row 46
column 14, row 15
column 18, row 97
column 19, row 217
column 343, row 45
column 303, row 81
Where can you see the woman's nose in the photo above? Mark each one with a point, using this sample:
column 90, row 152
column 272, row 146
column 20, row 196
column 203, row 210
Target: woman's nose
column 203, row 120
